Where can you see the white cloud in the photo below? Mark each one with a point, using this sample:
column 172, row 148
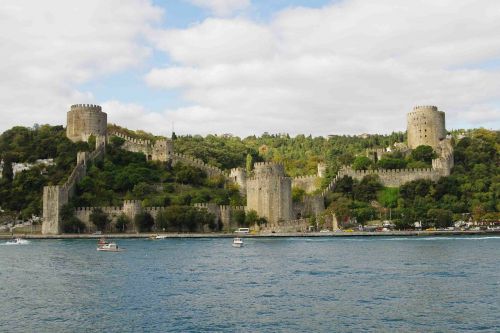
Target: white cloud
column 351, row 67
column 49, row 47
column 221, row 7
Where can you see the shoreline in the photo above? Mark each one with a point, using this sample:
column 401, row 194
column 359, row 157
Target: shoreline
column 261, row 235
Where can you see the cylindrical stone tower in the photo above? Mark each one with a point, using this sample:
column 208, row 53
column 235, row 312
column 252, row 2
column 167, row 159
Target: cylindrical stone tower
column 426, row 126
column 84, row 120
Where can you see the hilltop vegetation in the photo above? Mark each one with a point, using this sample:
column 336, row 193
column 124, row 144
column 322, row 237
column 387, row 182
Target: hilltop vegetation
column 125, row 175
column 471, row 191
column 473, row 187
column 23, row 193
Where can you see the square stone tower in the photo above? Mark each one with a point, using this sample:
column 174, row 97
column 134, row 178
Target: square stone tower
column 269, row 192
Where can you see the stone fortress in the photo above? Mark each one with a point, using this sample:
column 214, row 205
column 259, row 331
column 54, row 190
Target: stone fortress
column 425, row 126
column 267, row 189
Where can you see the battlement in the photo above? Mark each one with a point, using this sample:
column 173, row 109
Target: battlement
column 309, row 177
column 202, row 205
column 266, row 164
column 141, row 142
column 91, row 107
column 348, row 169
column 193, row 161
column 230, row 208
column 132, row 202
column 425, row 107
column 236, row 170
column 267, row 177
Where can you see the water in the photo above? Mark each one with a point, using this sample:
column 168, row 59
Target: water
column 271, row 285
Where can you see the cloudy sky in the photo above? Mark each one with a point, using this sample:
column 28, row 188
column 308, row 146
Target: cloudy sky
column 248, row 66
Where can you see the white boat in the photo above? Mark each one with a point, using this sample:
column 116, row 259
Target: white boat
column 160, row 236
column 237, row 242
column 109, row 247
column 18, row 241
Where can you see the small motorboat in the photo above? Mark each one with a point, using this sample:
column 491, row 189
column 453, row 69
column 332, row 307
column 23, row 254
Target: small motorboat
column 110, row 247
column 17, row 241
column 160, row 236
column 237, row 242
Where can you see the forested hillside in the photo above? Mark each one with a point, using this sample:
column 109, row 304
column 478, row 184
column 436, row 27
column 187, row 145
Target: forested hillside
column 472, row 191
column 473, row 188
column 23, row 193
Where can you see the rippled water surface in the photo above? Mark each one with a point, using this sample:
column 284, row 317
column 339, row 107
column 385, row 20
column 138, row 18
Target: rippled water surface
column 270, row 285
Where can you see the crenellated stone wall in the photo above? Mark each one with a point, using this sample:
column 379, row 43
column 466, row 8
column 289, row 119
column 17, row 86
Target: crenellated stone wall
column 222, row 213
column 196, row 162
column 310, row 205
column 307, row 183
column 392, row 178
column 160, row 150
column 54, row 197
column 163, row 150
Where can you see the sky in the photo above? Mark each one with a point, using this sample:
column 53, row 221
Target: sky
column 251, row 66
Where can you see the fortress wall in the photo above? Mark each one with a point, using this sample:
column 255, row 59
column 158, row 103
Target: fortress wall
column 310, row 205
column 297, row 225
column 393, row 178
column 163, row 150
column 307, row 183
column 83, row 214
column 195, row 162
column 54, row 197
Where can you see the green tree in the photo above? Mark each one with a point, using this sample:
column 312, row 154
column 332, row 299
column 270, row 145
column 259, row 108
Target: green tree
column 7, row 171
column 69, row 222
column 362, row 163
column 239, row 217
column 144, row 222
column 249, row 163
column 391, row 163
column 100, row 219
column 441, row 218
column 251, row 218
column 423, row 153
column 297, row 194
column 367, row 189
column 122, row 222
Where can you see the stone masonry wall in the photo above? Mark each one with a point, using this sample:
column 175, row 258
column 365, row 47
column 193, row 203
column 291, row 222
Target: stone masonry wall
column 163, row 150
column 269, row 192
column 54, row 197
